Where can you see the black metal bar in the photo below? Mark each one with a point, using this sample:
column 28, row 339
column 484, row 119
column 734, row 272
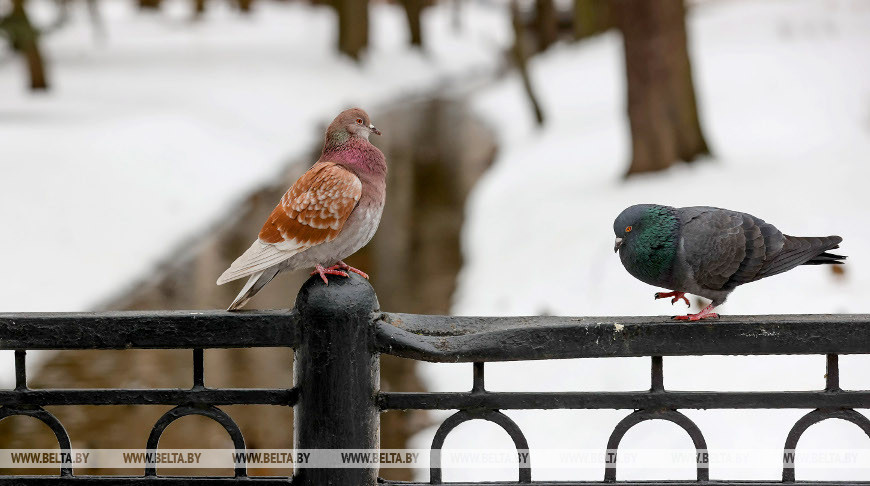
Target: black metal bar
column 20, row 369
column 832, row 374
column 140, row 480
column 154, row 396
column 657, row 374
column 198, row 369
column 478, row 385
column 622, row 400
column 282, row 481
column 639, row 483
column 469, row 339
column 337, row 372
column 157, row 330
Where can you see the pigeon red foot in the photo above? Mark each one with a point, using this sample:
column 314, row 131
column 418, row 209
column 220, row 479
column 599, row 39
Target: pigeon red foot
column 676, row 296
column 344, row 266
column 323, row 272
column 705, row 313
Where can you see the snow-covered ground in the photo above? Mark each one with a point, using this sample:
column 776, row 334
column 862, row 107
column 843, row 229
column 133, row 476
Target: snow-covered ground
column 784, row 90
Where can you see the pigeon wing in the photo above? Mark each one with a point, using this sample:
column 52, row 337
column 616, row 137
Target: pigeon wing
column 714, row 243
column 311, row 212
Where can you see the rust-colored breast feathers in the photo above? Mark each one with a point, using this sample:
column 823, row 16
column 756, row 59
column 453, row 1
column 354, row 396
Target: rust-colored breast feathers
column 314, row 210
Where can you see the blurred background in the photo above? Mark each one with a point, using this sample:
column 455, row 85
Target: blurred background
column 144, row 142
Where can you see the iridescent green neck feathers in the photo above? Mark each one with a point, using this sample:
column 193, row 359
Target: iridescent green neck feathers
column 651, row 236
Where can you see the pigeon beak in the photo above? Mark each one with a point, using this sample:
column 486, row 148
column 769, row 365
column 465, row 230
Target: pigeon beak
column 617, row 245
column 374, row 130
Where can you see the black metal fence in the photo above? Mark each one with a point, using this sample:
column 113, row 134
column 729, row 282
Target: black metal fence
column 338, row 333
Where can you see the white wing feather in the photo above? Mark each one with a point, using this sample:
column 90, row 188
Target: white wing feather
column 257, row 258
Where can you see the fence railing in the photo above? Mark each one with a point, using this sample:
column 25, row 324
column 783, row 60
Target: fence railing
column 338, row 333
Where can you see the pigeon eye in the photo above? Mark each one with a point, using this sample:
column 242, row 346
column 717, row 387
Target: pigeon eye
column 628, row 229
column 359, row 121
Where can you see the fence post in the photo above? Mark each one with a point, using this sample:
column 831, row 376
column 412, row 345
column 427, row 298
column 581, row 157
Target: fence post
column 337, row 374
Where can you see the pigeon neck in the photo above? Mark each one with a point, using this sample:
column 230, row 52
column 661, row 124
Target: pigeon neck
column 651, row 249
column 358, row 155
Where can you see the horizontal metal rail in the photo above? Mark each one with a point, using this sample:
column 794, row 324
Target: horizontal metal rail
column 638, row 483
column 154, row 396
column 472, row 339
column 449, row 338
column 143, row 480
column 284, row 481
column 621, row 400
column 149, row 330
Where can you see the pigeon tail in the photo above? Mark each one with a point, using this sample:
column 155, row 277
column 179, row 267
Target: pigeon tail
column 827, row 259
column 803, row 250
column 256, row 282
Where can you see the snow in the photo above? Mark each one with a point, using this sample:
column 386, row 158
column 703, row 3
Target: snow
column 153, row 132
column 784, row 94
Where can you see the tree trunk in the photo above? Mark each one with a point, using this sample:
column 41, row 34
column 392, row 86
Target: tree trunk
column 591, row 17
column 546, row 23
column 25, row 40
column 413, row 9
column 245, row 5
column 353, row 26
column 198, row 8
column 149, row 4
column 519, row 53
column 662, row 109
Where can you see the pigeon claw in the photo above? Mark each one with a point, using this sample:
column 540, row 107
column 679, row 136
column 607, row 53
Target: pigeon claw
column 323, row 272
column 344, row 266
column 706, row 312
column 676, row 296
column 695, row 317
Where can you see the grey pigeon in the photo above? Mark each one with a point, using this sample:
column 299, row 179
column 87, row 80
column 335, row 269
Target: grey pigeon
column 709, row 251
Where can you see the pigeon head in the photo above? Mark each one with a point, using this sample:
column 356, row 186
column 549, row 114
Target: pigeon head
column 349, row 124
column 647, row 237
column 631, row 222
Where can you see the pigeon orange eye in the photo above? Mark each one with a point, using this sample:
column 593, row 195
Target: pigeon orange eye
column 359, row 121
column 628, row 229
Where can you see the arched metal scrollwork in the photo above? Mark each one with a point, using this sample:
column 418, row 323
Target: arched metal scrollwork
column 494, row 416
column 53, row 423
column 812, row 418
column 209, row 411
column 639, row 416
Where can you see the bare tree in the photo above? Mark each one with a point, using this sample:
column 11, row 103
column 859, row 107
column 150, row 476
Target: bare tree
column 150, row 4
column 520, row 57
column 546, row 23
column 662, row 108
column 198, row 8
column 413, row 9
column 24, row 40
column 353, row 26
column 244, row 5
column 591, row 17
